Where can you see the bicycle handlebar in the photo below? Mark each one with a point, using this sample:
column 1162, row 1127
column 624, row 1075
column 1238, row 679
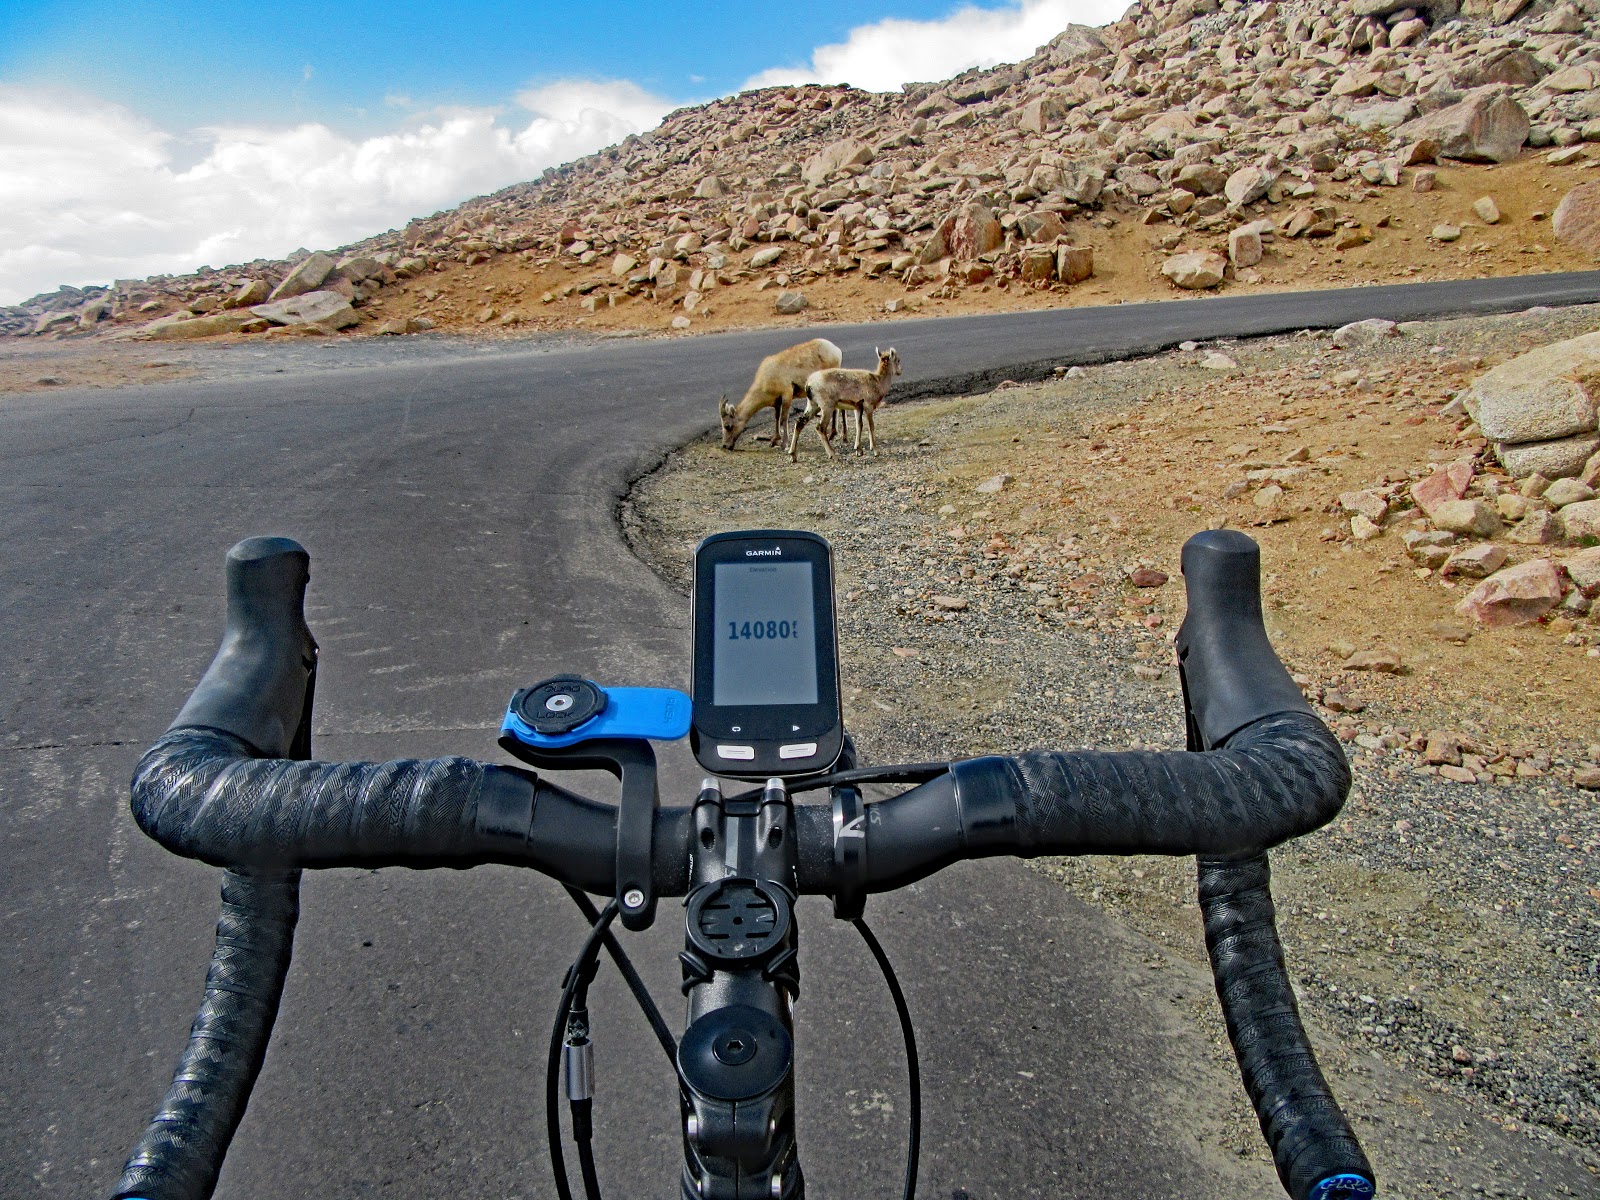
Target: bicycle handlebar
column 1267, row 770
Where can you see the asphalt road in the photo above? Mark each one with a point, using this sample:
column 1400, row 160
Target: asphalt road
column 460, row 516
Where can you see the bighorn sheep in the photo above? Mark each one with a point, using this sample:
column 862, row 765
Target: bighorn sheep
column 836, row 388
column 780, row 378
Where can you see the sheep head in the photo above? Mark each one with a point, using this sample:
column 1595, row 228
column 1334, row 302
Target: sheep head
column 732, row 427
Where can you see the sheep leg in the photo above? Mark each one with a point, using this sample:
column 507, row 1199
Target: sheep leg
column 823, row 433
column 794, row 436
column 872, row 432
column 860, row 408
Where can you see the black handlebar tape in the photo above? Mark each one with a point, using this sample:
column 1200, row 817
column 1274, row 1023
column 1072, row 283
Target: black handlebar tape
column 1278, row 778
column 203, row 794
column 182, row 1150
column 1230, row 675
column 258, row 685
column 1313, row 1146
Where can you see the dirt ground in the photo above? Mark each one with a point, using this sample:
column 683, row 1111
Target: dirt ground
column 504, row 297
column 1447, row 928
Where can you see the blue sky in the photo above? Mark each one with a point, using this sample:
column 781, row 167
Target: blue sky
column 139, row 138
column 348, row 65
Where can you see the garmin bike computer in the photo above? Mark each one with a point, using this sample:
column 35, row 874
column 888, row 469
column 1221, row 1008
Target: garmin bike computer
column 766, row 660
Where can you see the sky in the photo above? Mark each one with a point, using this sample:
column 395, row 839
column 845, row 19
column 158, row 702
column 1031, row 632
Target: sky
column 144, row 137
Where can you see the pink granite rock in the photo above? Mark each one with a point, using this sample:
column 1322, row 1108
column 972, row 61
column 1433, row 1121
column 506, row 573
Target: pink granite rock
column 1515, row 596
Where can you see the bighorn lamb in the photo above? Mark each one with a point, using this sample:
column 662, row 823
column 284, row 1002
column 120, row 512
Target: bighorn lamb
column 829, row 391
column 779, row 380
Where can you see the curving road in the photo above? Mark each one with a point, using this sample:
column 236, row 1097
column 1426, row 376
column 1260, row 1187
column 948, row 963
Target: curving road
column 460, row 515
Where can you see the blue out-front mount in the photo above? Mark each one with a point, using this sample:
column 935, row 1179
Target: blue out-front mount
column 567, row 710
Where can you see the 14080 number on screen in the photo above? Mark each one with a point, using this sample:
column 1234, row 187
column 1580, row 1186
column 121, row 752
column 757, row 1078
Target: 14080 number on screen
column 763, row 630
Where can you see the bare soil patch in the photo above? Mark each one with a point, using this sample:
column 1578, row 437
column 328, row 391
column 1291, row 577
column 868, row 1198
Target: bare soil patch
column 1450, row 929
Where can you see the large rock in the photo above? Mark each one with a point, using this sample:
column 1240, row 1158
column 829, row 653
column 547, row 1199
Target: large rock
column 1549, row 392
column 307, row 277
column 1247, row 185
column 1447, row 484
column 1074, row 264
column 1042, row 114
column 1515, row 596
column 230, row 321
column 1580, row 521
column 1516, row 68
column 1583, row 568
column 974, row 231
column 1471, row 517
column 831, row 157
column 1196, row 269
column 1074, row 43
column 1081, row 183
column 1577, row 219
column 1203, row 179
column 1364, row 333
column 1553, row 459
column 1044, row 227
column 1488, row 126
column 327, row 311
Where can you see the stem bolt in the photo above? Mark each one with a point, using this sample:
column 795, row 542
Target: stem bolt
column 633, row 898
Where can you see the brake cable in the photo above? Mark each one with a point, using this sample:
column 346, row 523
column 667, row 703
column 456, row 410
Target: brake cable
column 577, row 979
column 572, row 1022
column 913, row 1069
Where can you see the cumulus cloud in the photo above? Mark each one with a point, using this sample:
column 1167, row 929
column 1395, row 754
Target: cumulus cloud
column 882, row 56
column 90, row 191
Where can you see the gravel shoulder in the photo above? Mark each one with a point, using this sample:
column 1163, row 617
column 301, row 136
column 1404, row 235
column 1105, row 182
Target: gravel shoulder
column 1445, row 936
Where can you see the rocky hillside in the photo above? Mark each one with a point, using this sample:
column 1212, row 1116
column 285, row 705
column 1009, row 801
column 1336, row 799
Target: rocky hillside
column 1194, row 144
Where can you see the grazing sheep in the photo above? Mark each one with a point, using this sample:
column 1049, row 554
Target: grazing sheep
column 780, row 378
column 828, row 391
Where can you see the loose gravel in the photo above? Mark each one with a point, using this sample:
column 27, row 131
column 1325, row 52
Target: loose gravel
column 1452, row 930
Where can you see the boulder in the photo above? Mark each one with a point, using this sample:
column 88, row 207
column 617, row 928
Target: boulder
column 974, row 231
column 1364, row 333
column 1553, row 459
column 324, row 310
column 845, row 153
column 1247, row 185
column 254, row 291
column 1488, row 126
column 1244, row 247
column 1074, row 264
column 1081, row 183
column 1475, row 562
column 1368, row 504
column 1196, row 269
column 765, row 256
column 1567, row 491
column 1447, row 483
column 789, row 303
column 1583, row 568
column 710, row 188
column 1549, row 392
column 1042, row 114
column 1043, row 226
column 1577, row 219
column 1516, row 595
column 1073, row 44
column 1580, row 521
column 306, row 277
column 1202, row 179
column 1037, row 264
column 1471, row 517
column 1515, row 68
column 198, row 327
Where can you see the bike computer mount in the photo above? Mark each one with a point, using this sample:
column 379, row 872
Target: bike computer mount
column 567, row 722
column 766, row 659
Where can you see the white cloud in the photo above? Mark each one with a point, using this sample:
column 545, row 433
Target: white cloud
column 882, row 56
column 90, row 191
